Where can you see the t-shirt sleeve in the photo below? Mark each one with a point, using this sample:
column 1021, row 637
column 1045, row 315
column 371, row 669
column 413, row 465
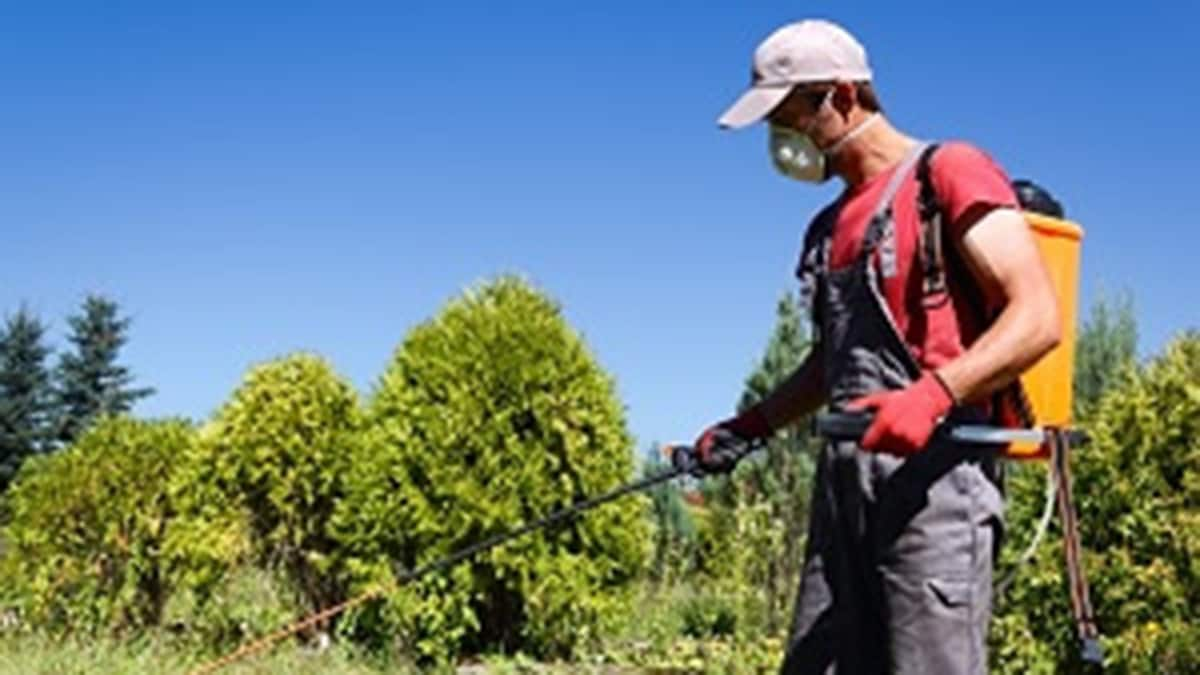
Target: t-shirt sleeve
column 966, row 178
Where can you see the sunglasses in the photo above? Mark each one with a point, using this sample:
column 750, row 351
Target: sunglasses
column 814, row 97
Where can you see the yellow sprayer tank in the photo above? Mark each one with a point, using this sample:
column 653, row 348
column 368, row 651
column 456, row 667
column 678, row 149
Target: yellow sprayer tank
column 1048, row 382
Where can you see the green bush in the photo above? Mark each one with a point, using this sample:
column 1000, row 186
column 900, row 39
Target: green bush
column 87, row 526
column 1137, row 491
column 708, row 615
column 260, row 486
column 248, row 602
column 684, row 628
column 491, row 415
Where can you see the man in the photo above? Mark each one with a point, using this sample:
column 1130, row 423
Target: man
column 915, row 323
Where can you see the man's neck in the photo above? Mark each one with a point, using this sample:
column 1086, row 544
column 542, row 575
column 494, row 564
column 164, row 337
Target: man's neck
column 878, row 149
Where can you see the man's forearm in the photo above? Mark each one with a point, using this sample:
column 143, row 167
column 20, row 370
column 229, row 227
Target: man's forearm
column 1000, row 250
column 1020, row 336
column 801, row 393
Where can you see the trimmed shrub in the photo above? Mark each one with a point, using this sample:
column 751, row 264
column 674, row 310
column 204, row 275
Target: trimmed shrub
column 87, row 526
column 260, row 486
column 492, row 415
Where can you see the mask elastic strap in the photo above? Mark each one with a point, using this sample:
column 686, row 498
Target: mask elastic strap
column 852, row 134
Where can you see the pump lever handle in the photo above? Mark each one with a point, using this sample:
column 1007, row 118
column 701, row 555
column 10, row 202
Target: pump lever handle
column 850, row 426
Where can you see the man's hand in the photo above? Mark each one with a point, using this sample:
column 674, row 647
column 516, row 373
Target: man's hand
column 905, row 419
column 721, row 446
column 716, row 451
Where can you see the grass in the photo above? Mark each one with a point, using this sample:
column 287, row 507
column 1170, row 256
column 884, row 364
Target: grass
column 36, row 655
column 676, row 628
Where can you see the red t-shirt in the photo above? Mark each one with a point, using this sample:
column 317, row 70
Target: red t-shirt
column 964, row 177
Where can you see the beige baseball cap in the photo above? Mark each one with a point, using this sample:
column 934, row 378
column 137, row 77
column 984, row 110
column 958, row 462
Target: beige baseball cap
column 813, row 50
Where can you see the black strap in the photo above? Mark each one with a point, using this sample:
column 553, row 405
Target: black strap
column 929, row 208
column 1011, row 401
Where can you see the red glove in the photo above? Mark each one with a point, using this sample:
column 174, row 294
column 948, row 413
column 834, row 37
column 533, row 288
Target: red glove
column 906, row 418
column 751, row 424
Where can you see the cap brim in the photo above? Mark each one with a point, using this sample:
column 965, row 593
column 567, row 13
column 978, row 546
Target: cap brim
column 754, row 105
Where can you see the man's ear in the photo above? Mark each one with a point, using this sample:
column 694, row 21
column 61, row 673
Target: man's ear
column 845, row 97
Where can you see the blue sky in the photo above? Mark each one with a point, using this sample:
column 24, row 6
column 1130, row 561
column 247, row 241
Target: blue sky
column 248, row 179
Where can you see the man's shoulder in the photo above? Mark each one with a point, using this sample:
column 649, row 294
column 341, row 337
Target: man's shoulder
column 967, row 180
column 955, row 155
column 821, row 224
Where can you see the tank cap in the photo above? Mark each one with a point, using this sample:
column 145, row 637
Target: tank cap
column 1035, row 198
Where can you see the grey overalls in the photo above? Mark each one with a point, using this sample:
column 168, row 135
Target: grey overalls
column 898, row 569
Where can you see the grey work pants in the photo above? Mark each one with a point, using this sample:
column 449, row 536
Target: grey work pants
column 898, row 569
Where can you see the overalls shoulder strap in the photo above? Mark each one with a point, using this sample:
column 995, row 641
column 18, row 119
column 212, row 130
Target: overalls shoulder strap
column 881, row 230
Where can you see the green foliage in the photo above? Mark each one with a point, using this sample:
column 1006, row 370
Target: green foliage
column 686, row 627
column 25, row 403
column 1105, row 346
column 676, row 544
column 263, row 481
column 87, row 527
column 89, row 380
column 710, row 656
column 158, row 653
column 754, row 534
column 491, row 415
column 708, row 614
column 1137, row 489
column 249, row 602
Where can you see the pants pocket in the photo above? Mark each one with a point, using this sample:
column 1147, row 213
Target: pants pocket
column 934, row 626
column 950, row 595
